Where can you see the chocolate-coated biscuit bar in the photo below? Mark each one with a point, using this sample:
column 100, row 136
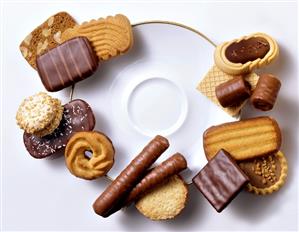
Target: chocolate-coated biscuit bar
column 233, row 92
column 111, row 199
column 265, row 93
column 220, row 180
column 68, row 63
column 173, row 165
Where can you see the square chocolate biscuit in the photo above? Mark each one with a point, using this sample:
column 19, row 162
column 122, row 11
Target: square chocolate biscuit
column 220, row 180
column 68, row 63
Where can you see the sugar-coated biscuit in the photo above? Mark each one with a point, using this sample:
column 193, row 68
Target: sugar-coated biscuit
column 45, row 37
column 243, row 139
column 266, row 174
column 243, row 55
column 101, row 160
column 39, row 114
column 214, row 78
column 165, row 201
column 110, row 37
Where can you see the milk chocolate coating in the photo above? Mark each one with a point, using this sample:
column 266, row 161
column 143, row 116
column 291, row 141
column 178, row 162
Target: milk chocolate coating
column 173, row 165
column 77, row 116
column 265, row 93
column 113, row 197
column 247, row 50
column 233, row 92
column 220, row 180
column 68, row 63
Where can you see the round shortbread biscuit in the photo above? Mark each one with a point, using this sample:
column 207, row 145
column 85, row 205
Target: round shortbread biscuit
column 38, row 112
column 266, row 174
column 165, row 201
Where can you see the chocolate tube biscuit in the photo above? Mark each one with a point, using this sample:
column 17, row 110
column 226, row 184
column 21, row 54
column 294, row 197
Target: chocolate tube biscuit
column 111, row 199
column 157, row 175
column 233, row 92
column 265, row 93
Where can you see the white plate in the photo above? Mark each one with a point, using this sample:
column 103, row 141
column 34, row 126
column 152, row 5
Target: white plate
column 152, row 90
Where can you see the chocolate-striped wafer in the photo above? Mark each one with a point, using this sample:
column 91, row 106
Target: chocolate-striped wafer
column 244, row 139
column 157, row 175
column 109, row 201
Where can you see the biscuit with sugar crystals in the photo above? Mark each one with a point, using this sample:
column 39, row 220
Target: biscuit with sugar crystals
column 165, row 201
column 110, row 37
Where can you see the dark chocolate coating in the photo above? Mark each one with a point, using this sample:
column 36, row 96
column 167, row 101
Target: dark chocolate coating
column 173, row 165
column 77, row 116
column 233, row 92
column 247, row 50
column 265, row 93
column 68, row 63
column 113, row 197
column 220, row 180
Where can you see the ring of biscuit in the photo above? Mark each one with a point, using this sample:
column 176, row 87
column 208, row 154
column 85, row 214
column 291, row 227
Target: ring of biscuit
column 98, row 164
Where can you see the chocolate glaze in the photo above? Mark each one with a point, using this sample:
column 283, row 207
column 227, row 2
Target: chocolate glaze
column 68, row 63
column 77, row 116
column 233, row 92
column 247, row 50
column 220, row 180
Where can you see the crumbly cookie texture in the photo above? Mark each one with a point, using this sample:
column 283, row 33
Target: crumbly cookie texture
column 165, row 201
column 45, row 37
column 39, row 114
column 266, row 174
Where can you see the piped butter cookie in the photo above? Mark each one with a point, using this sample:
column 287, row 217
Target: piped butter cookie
column 266, row 174
column 45, row 37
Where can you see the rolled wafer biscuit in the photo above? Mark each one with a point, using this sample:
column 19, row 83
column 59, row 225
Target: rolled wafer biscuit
column 109, row 201
column 157, row 175
column 243, row 139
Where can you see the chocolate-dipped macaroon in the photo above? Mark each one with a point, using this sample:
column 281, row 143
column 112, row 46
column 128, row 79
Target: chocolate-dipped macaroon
column 265, row 93
column 233, row 92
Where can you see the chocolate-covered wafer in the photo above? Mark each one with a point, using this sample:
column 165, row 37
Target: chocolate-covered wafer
column 68, row 63
column 111, row 199
column 220, row 180
column 265, row 93
column 157, row 175
column 233, row 92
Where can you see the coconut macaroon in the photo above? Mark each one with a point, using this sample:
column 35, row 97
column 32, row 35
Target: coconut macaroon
column 165, row 201
column 39, row 114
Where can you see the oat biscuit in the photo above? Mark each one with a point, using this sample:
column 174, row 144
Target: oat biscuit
column 110, row 37
column 266, row 174
column 45, row 37
column 214, row 78
column 243, row 139
column 165, row 201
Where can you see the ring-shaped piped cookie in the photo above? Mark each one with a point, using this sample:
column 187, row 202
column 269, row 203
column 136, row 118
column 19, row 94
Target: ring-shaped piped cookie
column 82, row 166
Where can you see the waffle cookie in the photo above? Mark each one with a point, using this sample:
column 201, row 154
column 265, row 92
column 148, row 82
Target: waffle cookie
column 243, row 139
column 215, row 77
column 165, row 201
column 266, row 174
column 45, row 37
column 110, row 37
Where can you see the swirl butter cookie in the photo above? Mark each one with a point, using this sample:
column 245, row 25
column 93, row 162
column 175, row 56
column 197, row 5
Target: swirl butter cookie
column 266, row 174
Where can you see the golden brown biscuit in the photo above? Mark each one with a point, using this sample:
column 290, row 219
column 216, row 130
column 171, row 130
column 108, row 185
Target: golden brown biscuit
column 216, row 77
column 266, row 174
column 241, row 56
column 244, row 139
column 46, row 36
column 110, row 37
column 39, row 114
column 98, row 164
column 165, row 201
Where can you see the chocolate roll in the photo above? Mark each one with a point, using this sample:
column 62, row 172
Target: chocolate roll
column 233, row 92
column 68, row 63
column 265, row 93
column 173, row 165
column 113, row 197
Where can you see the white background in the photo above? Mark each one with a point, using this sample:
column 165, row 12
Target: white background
column 41, row 195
